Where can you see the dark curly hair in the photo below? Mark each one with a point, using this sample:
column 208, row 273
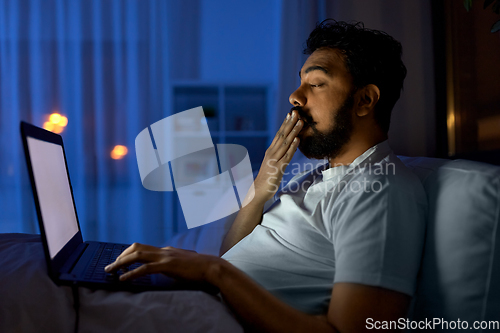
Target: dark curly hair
column 371, row 56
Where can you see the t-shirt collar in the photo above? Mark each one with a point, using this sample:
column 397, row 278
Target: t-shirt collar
column 381, row 148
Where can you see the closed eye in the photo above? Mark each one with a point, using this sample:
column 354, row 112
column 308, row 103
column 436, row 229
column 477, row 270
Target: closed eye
column 315, row 85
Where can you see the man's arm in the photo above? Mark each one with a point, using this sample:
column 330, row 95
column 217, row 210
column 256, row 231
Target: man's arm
column 267, row 182
column 351, row 305
column 246, row 220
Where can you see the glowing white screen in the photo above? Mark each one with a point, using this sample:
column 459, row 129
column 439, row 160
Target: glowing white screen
column 54, row 194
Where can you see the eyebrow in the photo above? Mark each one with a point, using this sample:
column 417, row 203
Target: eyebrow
column 316, row 68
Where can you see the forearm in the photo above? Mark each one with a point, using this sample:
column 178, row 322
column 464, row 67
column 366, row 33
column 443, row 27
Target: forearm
column 246, row 220
column 258, row 308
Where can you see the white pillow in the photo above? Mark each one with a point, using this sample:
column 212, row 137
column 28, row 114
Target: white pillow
column 460, row 273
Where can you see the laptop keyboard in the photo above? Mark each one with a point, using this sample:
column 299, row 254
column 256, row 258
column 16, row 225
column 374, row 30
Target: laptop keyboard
column 105, row 255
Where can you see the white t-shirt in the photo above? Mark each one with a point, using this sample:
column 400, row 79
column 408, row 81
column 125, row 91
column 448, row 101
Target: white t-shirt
column 362, row 223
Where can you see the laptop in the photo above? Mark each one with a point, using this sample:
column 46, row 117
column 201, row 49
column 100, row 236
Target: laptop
column 70, row 260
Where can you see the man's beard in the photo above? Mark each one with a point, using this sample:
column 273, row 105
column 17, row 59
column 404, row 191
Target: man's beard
column 320, row 145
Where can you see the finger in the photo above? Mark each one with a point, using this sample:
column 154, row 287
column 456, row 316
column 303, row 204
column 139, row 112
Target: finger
column 287, row 157
column 176, row 249
column 287, row 142
column 287, row 128
column 137, row 256
column 142, row 270
column 278, row 133
column 279, row 130
column 129, row 250
column 136, row 247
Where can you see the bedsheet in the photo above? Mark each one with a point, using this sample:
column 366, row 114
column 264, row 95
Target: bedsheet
column 31, row 302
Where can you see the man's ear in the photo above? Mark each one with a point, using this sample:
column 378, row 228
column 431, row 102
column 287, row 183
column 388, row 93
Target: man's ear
column 368, row 97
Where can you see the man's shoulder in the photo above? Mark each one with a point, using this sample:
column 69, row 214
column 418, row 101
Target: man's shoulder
column 389, row 176
column 397, row 173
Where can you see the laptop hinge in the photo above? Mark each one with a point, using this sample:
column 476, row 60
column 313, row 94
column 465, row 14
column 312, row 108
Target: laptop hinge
column 73, row 259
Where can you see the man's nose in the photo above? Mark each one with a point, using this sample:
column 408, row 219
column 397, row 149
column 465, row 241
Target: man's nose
column 297, row 98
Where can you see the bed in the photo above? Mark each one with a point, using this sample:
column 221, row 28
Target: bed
column 459, row 277
column 31, row 302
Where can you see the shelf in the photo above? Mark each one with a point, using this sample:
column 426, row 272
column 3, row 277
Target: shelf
column 245, row 108
column 243, row 134
column 247, row 134
column 236, row 113
column 186, row 98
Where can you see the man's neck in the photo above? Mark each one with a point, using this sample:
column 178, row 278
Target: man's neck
column 354, row 148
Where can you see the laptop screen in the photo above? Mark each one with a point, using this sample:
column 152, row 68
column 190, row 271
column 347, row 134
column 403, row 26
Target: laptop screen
column 54, row 193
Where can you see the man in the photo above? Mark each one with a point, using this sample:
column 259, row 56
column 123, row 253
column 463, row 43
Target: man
column 341, row 245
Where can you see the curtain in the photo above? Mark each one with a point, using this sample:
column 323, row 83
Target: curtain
column 105, row 66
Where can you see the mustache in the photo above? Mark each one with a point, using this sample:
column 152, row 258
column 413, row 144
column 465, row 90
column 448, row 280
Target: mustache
column 303, row 115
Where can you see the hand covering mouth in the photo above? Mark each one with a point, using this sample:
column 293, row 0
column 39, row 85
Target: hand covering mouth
column 306, row 124
column 303, row 116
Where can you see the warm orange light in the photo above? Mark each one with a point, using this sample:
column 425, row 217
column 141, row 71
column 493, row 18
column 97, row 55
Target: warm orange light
column 57, row 129
column 121, row 150
column 48, row 126
column 115, row 156
column 64, row 121
column 118, row 152
column 56, row 123
column 55, row 118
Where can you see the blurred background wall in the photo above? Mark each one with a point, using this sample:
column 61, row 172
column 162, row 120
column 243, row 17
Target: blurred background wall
column 413, row 120
column 112, row 68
